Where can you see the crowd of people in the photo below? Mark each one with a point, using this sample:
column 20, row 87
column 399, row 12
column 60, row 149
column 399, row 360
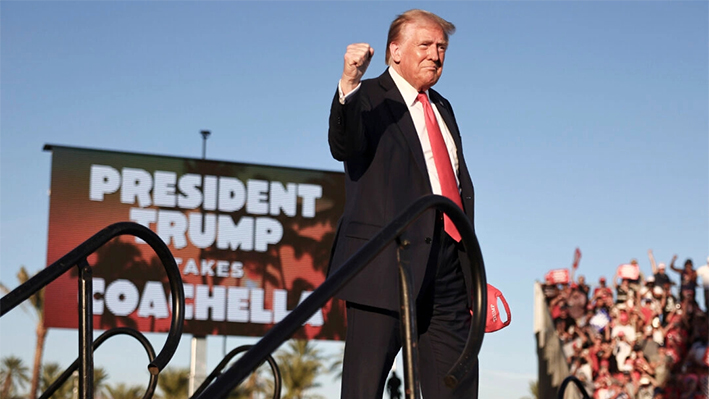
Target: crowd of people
column 635, row 338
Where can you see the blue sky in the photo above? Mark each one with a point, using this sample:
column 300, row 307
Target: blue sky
column 584, row 125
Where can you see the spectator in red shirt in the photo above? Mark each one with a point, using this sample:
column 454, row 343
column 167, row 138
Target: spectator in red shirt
column 601, row 289
column 647, row 311
column 676, row 337
column 565, row 319
column 550, row 289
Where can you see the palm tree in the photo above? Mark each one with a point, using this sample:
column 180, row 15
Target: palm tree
column 13, row 374
column 35, row 303
column 336, row 366
column 100, row 378
column 123, row 391
column 300, row 365
column 533, row 390
column 50, row 372
column 254, row 385
column 173, row 383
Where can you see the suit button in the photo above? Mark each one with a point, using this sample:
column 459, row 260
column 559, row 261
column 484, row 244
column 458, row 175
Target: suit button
column 428, row 240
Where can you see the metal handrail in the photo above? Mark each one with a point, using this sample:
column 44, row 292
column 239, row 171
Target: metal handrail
column 287, row 327
column 152, row 384
column 78, row 257
column 579, row 385
column 217, row 371
column 407, row 314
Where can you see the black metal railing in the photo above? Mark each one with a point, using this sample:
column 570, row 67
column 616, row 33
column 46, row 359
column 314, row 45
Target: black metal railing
column 152, row 384
column 78, row 257
column 243, row 348
column 467, row 361
column 579, row 385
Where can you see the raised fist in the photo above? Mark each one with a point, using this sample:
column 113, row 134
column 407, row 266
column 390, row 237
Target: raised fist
column 357, row 60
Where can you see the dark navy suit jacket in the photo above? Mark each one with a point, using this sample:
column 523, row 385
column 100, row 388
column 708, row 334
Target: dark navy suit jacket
column 385, row 172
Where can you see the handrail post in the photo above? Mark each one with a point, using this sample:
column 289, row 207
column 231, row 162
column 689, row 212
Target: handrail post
column 86, row 328
column 408, row 327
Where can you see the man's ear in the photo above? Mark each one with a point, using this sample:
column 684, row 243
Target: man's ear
column 394, row 52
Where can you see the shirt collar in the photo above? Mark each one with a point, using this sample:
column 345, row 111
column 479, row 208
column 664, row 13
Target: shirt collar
column 407, row 91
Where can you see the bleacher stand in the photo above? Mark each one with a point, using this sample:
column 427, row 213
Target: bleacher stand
column 647, row 340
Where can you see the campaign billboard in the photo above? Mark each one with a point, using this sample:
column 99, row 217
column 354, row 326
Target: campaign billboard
column 251, row 241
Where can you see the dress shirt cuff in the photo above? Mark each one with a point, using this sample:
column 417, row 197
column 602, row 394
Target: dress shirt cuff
column 343, row 97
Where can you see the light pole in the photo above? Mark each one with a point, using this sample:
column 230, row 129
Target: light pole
column 198, row 350
column 205, row 134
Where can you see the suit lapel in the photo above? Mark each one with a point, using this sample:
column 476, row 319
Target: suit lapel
column 447, row 116
column 400, row 114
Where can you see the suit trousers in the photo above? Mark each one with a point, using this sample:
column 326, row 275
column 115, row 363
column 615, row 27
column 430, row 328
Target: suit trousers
column 443, row 320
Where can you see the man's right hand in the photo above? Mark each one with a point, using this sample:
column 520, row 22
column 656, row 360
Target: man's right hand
column 357, row 60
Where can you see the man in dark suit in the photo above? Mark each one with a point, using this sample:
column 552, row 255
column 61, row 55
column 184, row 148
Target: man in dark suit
column 399, row 141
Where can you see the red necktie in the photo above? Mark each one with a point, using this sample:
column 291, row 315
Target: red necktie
column 449, row 187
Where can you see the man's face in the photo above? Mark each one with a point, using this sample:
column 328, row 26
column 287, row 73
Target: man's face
column 418, row 54
column 623, row 318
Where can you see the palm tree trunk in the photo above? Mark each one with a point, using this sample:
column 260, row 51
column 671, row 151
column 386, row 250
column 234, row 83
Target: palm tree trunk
column 7, row 384
column 38, row 353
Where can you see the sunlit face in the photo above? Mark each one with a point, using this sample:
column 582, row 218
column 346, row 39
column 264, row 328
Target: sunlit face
column 418, row 54
column 624, row 318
